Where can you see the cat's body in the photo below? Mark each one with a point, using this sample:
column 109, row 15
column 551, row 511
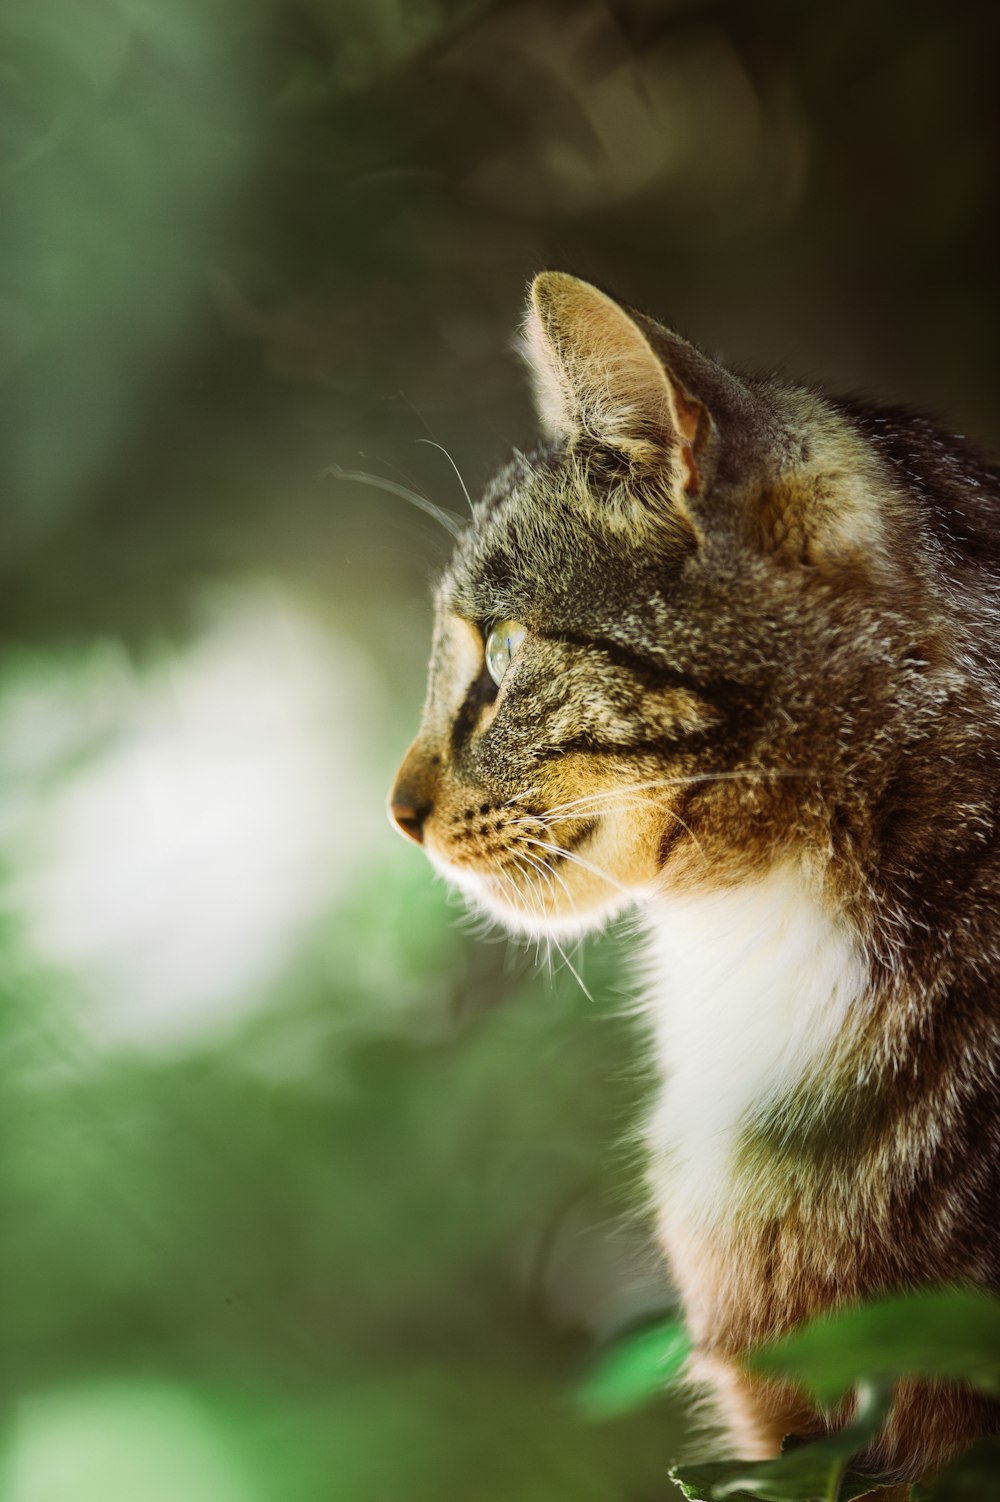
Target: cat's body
column 748, row 681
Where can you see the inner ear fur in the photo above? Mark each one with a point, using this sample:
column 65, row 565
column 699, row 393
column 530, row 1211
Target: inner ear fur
column 613, row 381
column 598, row 377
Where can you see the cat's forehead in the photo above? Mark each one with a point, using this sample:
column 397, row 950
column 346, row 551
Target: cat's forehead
column 543, row 547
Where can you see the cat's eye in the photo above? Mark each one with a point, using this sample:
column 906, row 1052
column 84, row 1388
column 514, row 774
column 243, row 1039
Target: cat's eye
column 501, row 644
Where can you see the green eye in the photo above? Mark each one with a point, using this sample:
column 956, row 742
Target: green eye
column 501, row 644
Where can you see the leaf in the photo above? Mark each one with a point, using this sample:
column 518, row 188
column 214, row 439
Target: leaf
column 712, row 1481
column 811, row 1472
column 946, row 1334
column 698, row 1482
column 635, row 1369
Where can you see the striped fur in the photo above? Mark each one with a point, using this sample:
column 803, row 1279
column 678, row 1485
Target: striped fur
column 758, row 699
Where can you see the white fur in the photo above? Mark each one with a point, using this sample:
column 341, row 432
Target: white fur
column 752, row 988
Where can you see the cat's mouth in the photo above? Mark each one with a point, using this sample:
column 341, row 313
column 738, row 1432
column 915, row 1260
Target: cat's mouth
column 542, row 882
column 524, row 844
column 531, row 845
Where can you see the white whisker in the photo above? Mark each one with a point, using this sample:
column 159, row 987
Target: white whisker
column 688, row 780
column 532, row 897
column 571, row 855
column 543, row 865
column 447, row 519
column 690, row 833
column 433, row 443
column 618, row 808
column 518, row 797
column 545, row 870
column 549, row 822
column 573, row 970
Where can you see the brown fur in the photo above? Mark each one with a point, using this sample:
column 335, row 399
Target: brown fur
column 761, row 634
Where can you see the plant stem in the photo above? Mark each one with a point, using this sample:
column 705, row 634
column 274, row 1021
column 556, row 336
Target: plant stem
column 833, row 1485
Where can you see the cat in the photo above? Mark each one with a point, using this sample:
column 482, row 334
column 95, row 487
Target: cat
column 723, row 650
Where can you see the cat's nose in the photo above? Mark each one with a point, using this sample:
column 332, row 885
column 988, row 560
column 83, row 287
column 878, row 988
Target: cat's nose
column 413, row 792
column 409, row 818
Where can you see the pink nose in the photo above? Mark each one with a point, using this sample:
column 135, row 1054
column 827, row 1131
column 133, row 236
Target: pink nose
column 409, row 819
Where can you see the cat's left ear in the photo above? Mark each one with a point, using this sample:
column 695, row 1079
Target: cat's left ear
column 598, row 377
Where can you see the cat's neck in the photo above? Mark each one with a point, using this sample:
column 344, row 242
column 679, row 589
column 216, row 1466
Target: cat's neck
column 752, row 991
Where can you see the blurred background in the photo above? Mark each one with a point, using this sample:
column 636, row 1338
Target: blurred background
column 306, row 1190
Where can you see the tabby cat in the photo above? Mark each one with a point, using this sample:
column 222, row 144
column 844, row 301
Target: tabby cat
column 724, row 650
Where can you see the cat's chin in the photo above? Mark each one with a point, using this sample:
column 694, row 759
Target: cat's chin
column 533, row 924
column 498, row 897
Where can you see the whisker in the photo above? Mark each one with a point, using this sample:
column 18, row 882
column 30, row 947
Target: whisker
column 536, row 865
column 543, row 865
column 690, row 833
column 572, row 969
column 549, row 822
column 619, row 809
column 571, row 855
column 508, row 881
column 546, row 870
column 447, row 519
column 519, row 796
column 534, row 902
column 741, row 774
column 433, row 443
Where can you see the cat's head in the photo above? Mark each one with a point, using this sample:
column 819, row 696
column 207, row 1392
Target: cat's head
column 650, row 628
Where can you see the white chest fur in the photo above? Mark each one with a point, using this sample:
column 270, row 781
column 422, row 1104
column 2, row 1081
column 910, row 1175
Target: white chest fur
column 751, row 989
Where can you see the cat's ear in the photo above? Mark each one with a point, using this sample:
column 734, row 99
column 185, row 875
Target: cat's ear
column 597, row 377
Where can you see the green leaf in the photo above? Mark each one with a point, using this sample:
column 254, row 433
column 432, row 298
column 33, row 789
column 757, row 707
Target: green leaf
column 635, row 1369
column 812, row 1472
column 699, row 1481
column 946, row 1334
column 727, row 1479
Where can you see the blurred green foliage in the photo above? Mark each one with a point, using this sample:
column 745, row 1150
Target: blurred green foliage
column 343, row 1255
column 948, row 1334
column 356, row 1228
column 940, row 1335
column 636, row 1369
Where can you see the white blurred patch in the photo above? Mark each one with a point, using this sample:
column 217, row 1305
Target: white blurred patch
column 217, row 806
